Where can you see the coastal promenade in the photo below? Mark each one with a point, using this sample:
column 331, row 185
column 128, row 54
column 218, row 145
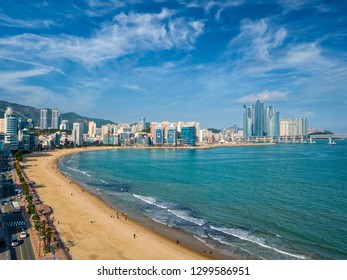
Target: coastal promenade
column 90, row 228
column 59, row 251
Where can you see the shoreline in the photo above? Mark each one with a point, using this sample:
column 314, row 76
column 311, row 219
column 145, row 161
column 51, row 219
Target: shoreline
column 109, row 237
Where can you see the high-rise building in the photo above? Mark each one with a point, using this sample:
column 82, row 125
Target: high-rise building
column 2, row 126
column 77, row 133
column 260, row 120
column 109, row 129
column 56, row 119
column 43, row 119
column 272, row 122
column 293, row 127
column 91, row 129
column 172, row 136
column 188, row 136
column 153, row 126
column 11, row 129
column 159, row 135
column 142, row 124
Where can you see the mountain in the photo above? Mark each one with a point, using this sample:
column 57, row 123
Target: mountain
column 28, row 112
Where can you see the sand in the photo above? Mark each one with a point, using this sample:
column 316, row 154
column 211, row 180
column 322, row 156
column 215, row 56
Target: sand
column 107, row 238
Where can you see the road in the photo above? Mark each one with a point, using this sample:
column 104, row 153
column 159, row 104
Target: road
column 12, row 224
column 24, row 251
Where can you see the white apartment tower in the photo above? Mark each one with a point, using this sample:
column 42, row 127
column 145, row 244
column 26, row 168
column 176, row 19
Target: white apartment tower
column 293, row 127
column 91, row 129
column 77, row 133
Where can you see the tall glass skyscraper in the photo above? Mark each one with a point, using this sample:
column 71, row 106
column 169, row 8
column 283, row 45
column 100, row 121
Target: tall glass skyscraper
column 260, row 120
column 11, row 129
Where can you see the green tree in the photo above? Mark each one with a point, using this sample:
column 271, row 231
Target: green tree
column 37, row 221
column 18, row 155
column 29, row 198
column 31, row 208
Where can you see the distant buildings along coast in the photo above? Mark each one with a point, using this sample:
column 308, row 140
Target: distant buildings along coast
column 261, row 122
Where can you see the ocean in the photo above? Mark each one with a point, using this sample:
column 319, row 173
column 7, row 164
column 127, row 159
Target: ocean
column 286, row 201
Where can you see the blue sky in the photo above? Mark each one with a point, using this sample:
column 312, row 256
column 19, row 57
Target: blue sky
column 177, row 60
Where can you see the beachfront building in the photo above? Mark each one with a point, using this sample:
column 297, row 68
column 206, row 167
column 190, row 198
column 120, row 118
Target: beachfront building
column 43, row 118
column 91, row 129
column 159, row 135
column 294, row 127
column 181, row 124
column 77, row 133
column 108, row 139
column 152, row 128
column 142, row 139
column 56, row 119
column 110, row 129
column 260, row 120
column 172, row 136
column 11, row 129
column 188, row 136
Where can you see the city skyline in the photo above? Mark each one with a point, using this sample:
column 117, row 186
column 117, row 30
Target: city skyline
column 184, row 60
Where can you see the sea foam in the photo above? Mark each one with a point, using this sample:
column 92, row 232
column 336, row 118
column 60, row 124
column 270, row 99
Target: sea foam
column 185, row 216
column 244, row 235
column 150, row 200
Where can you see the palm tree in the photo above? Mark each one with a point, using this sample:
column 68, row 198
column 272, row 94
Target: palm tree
column 36, row 220
column 31, row 208
column 29, row 198
column 48, row 238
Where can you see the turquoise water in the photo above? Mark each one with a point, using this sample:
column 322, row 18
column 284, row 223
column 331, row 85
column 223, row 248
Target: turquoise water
column 273, row 202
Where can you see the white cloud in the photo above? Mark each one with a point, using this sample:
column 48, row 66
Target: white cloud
column 257, row 39
column 32, row 63
column 32, row 24
column 127, row 34
column 209, row 5
column 98, row 8
column 304, row 54
column 265, row 96
column 289, row 5
column 14, row 86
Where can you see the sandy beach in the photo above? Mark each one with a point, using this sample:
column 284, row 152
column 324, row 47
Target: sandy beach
column 107, row 238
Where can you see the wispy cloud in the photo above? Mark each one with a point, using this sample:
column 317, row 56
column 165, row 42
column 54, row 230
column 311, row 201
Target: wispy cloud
column 98, row 8
column 127, row 34
column 217, row 6
column 19, row 23
column 257, row 39
column 265, row 96
column 32, row 63
column 289, row 5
